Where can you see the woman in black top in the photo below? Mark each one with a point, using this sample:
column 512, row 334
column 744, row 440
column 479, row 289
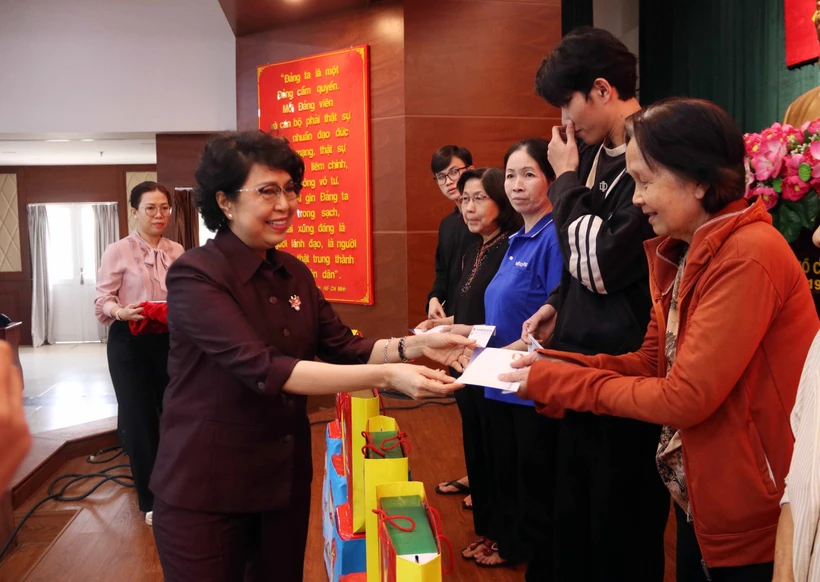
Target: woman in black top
column 487, row 212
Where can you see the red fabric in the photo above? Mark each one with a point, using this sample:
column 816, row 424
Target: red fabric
column 801, row 34
column 156, row 319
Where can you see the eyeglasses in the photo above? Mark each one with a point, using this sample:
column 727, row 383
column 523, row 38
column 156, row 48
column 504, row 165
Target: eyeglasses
column 273, row 192
column 151, row 210
column 479, row 199
column 441, row 177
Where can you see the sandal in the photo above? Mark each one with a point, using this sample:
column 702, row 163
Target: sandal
column 489, row 551
column 460, row 488
column 465, row 506
column 473, row 547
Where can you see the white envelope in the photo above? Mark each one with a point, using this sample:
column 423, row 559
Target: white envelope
column 487, row 364
column 482, row 334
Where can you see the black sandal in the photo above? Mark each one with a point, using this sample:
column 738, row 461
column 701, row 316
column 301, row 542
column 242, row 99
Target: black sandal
column 460, row 488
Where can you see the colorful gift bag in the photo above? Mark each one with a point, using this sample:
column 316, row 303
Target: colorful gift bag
column 410, row 535
column 385, row 461
column 354, row 409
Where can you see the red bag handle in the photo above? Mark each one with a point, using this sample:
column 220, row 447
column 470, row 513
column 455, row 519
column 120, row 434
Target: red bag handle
column 442, row 538
column 401, row 440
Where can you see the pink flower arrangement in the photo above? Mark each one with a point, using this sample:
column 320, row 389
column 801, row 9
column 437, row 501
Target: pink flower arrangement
column 783, row 168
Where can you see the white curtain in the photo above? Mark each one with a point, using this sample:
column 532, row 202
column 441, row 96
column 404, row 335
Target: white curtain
column 106, row 231
column 41, row 315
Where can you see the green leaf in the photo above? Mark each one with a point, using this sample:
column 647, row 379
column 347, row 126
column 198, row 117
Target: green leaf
column 811, row 208
column 804, row 171
column 777, row 184
column 790, row 222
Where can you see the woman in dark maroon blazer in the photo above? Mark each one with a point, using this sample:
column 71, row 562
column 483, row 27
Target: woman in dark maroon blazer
column 232, row 477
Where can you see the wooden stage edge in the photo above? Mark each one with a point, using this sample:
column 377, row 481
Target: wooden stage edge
column 51, row 449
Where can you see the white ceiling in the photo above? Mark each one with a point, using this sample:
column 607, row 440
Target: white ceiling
column 22, row 150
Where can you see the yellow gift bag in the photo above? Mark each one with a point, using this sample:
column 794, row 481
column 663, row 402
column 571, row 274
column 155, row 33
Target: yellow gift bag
column 354, row 409
column 410, row 535
column 385, row 461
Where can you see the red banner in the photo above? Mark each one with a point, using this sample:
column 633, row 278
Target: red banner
column 801, row 34
column 321, row 104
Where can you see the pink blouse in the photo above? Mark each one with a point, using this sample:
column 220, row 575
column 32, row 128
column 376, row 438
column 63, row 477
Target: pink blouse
column 132, row 271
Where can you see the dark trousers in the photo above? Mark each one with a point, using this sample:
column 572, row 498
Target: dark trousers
column 218, row 547
column 611, row 505
column 471, row 404
column 689, row 566
column 139, row 371
column 521, row 446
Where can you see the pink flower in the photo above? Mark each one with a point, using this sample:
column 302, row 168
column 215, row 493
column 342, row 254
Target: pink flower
column 811, row 127
column 814, row 150
column 750, row 176
column 752, row 141
column 768, row 195
column 769, row 159
column 793, row 164
column 794, row 188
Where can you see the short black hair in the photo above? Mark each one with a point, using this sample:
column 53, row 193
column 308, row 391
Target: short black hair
column 697, row 141
column 227, row 161
column 143, row 188
column 492, row 180
column 441, row 159
column 536, row 147
column 583, row 55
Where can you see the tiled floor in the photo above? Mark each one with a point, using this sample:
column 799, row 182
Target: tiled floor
column 66, row 385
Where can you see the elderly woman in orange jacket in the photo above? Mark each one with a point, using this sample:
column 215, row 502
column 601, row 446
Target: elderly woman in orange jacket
column 730, row 328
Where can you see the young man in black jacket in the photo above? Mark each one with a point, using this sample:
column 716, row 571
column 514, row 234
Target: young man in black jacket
column 611, row 506
column 448, row 163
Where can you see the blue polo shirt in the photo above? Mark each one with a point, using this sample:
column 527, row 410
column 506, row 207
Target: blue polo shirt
column 526, row 277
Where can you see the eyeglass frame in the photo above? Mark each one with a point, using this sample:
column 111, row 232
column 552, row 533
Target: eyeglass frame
column 277, row 195
column 446, row 175
column 156, row 210
column 478, row 202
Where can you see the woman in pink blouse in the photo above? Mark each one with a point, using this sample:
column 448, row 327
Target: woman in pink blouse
column 132, row 271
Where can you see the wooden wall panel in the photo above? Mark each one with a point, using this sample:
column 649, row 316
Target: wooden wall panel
column 477, row 58
column 389, row 174
column 487, row 138
column 177, row 158
column 421, row 252
column 249, row 16
column 72, row 184
column 388, row 316
column 380, row 26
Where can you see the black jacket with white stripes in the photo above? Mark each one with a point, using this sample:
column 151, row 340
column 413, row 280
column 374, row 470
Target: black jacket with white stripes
column 603, row 300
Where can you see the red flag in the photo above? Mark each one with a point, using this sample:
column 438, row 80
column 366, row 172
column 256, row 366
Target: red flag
column 801, row 35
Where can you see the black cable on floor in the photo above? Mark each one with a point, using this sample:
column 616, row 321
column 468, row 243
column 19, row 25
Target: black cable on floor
column 95, row 460
column 75, row 478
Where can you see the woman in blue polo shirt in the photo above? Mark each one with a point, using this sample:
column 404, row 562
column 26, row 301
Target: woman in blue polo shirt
column 521, row 443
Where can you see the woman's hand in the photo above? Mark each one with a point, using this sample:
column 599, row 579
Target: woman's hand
column 446, row 348
column 435, row 310
column 14, row 432
column 420, row 381
column 521, row 373
column 429, row 324
column 129, row 313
